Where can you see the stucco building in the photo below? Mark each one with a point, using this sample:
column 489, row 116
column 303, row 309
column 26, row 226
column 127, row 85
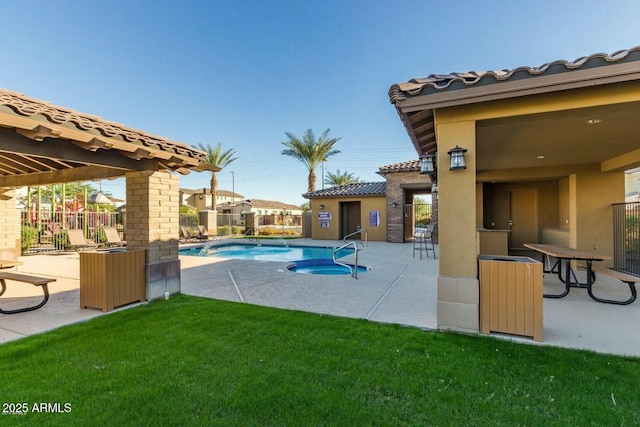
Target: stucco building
column 546, row 150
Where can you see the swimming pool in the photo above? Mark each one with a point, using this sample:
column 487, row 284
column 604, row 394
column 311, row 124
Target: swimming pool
column 265, row 252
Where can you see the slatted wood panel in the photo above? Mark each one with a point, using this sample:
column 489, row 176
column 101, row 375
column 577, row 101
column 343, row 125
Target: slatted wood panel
column 511, row 296
column 112, row 279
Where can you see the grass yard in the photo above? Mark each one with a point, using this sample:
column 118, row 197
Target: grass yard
column 192, row 361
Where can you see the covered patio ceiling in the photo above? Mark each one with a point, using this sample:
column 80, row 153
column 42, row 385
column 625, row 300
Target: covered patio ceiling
column 563, row 137
column 41, row 143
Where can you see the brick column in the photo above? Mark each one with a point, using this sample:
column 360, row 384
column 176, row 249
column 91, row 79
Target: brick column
column 397, row 184
column 209, row 219
column 153, row 224
column 9, row 225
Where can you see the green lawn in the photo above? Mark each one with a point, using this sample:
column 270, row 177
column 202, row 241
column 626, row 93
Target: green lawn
column 191, row 361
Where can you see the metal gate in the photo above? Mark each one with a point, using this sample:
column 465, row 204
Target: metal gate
column 416, row 218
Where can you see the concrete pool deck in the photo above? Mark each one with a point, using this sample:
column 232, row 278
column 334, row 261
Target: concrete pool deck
column 399, row 289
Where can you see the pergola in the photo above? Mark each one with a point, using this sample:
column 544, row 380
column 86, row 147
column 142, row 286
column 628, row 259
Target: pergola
column 42, row 143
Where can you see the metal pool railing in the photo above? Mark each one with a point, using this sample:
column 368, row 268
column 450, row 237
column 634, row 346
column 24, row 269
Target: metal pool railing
column 626, row 237
column 354, row 269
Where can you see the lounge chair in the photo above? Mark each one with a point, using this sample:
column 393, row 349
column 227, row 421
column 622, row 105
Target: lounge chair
column 204, row 233
column 188, row 235
column 78, row 242
column 113, row 237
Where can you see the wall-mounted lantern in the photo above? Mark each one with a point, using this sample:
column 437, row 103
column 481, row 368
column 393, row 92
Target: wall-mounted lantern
column 457, row 158
column 428, row 164
column 394, row 205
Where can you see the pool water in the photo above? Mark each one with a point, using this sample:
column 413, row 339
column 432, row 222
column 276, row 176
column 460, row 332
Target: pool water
column 265, row 252
column 322, row 266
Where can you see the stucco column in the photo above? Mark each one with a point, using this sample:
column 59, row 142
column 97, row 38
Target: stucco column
column 153, row 224
column 591, row 193
column 458, row 290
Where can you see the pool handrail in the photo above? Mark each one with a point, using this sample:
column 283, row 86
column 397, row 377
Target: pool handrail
column 362, row 231
column 353, row 270
column 252, row 237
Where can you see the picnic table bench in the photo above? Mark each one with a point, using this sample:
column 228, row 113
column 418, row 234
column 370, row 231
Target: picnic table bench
column 620, row 275
column 43, row 282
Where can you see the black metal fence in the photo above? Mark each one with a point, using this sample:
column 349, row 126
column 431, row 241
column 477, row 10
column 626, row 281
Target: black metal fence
column 626, row 237
column 46, row 231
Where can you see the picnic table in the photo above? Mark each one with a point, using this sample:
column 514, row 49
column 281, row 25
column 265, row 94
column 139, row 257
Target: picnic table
column 42, row 282
column 5, row 263
column 564, row 256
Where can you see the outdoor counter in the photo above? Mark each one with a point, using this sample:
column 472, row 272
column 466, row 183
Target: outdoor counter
column 491, row 241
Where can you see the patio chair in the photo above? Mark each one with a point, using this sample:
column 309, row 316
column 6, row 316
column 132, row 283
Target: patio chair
column 428, row 239
column 113, row 237
column 78, row 242
column 423, row 241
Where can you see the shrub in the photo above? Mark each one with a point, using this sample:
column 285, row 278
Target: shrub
column 27, row 235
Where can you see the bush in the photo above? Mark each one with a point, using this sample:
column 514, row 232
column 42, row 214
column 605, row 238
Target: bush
column 270, row 231
column 60, row 240
column 27, row 235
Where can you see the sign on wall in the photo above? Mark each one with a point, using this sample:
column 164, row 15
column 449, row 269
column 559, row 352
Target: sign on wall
column 374, row 218
column 324, row 215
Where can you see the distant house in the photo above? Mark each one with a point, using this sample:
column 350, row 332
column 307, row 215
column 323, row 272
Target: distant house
column 200, row 198
column 268, row 212
column 259, row 207
column 632, row 185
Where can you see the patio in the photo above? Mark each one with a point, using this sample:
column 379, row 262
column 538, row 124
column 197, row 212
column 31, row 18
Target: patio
column 399, row 289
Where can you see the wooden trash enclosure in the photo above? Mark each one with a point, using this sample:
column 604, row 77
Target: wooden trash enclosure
column 110, row 279
column 511, row 292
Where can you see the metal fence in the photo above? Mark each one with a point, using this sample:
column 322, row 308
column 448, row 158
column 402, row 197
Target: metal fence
column 234, row 224
column 46, row 231
column 626, row 237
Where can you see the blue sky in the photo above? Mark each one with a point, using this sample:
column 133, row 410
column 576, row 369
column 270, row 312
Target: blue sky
column 245, row 72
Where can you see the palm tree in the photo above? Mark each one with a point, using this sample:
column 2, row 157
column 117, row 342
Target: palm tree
column 310, row 152
column 216, row 157
column 338, row 178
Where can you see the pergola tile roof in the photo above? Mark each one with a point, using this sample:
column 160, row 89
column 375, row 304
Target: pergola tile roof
column 357, row 189
column 41, row 138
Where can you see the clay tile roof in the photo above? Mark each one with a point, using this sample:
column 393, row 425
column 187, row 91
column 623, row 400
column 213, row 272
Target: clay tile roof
column 408, row 166
column 357, row 189
column 38, row 119
column 435, row 83
column 417, row 99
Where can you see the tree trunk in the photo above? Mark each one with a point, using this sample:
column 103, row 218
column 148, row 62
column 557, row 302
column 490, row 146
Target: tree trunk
column 214, row 191
column 312, row 182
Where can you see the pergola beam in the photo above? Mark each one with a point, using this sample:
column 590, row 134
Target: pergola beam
column 84, row 173
column 62, row 151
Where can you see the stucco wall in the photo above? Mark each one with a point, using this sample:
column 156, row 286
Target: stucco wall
column 496, row 204
column 331, row 205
